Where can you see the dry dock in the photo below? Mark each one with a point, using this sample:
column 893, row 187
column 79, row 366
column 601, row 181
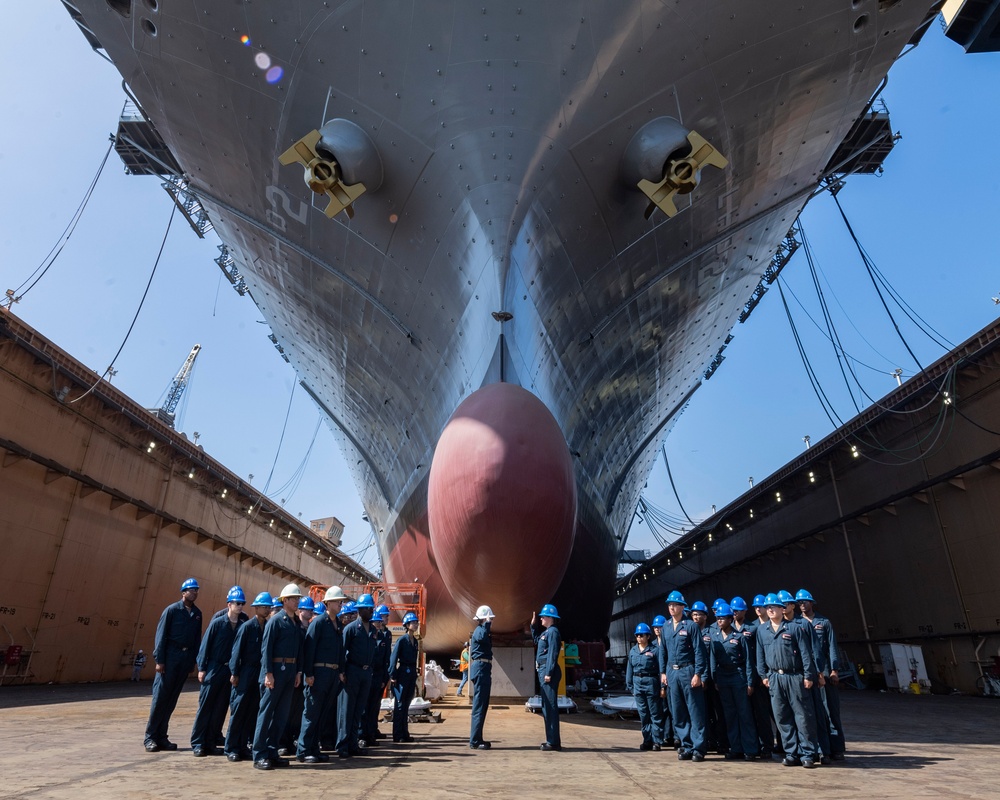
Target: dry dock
column 85, row 742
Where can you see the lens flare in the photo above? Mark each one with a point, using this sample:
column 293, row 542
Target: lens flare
column 245, row 40
column 262, row 60
column 274, row 74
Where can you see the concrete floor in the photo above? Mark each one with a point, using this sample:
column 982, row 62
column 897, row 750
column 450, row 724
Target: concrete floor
column 86, row 742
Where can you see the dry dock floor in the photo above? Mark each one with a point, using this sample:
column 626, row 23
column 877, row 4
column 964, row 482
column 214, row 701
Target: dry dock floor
column 85, row 742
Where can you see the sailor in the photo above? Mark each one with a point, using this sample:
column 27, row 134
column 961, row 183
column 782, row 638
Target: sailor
column 305, row 611
column 666, row 733
column 276, row 606
column 370, row 734
column 356, row 676
column 334, row 600
column 684, row 667
column 480, row 674
column 137, row 664
column 403, row 677
column 244, row 669
column 178, row 634
column 280, row 660
column 732, row 672
column 715, row 726
column 785, row 664
column 761, row 699
column 213, row 675
column 827, row 657
column 789, row 612
column 642, row 679
column 322, row 664
column 549, row 644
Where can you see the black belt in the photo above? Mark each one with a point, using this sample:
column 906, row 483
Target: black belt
column 486, row 660
column 787, row 672
column 680, row 666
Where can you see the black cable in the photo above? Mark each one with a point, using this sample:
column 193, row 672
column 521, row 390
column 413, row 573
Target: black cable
column 281, row 439
column 666, row 463
column 68, row 231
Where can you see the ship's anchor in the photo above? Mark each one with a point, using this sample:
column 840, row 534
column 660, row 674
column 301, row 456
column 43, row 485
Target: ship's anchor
column 681, row 175
column 323, row 175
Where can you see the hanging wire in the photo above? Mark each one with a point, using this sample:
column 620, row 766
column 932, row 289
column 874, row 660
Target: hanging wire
column 281, row 439
column 149, row 283
column 61, row 242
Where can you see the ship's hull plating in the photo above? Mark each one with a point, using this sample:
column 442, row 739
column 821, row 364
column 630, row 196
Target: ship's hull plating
column 501, row 129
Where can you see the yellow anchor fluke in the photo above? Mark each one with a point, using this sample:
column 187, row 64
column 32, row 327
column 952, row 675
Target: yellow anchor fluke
column 322, row 175
column 681, row 175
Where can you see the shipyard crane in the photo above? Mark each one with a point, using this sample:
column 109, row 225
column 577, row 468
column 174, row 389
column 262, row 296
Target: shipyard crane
column 166, row 413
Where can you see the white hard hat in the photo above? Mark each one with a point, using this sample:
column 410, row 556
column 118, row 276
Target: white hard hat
column 290, row 590
column 335, row 593
column 484, row 612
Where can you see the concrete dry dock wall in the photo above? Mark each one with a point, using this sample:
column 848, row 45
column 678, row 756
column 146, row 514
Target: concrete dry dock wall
column 98, row 530
column 900, row 543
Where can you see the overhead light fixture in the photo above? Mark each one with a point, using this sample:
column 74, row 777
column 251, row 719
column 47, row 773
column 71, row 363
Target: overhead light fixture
column 777, row 496
column 854, row 450
column 224, row 493
column 191, row 472
column 812, row 477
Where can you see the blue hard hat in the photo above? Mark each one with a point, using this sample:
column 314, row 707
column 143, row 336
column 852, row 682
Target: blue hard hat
column 276, row 603
column 190, row 583
column 659, row 621
column 350, row 607
column 381, row 611
column 236, row 595
column 718, row 602
column 723, row 610
column 772, row 600
column 366, row 601
column 785, row 597
column 307, row 604
column 738, row 604
column 803, row 594
column 409, row 617
column 263, row 599
column 549, row 610
column 676, row 597
column 697, row 605
column 759, row 601
column 320, row 608
column 642, row 627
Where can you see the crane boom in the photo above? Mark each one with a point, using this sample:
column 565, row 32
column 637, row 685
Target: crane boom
column 177, row 386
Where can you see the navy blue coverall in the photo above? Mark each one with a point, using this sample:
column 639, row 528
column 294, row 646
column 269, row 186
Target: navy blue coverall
column 244, row 698
column 380, row 678
column 826, row 699
column 784, row 658
column 549, row 644
column 359, row 652
column 683, row 657
column 760, row 702
column 481, row 678
column 281, row 655
column 403, row 673
column 642, row 679
column 733, row 672
column 178, row 634
column 322, row 660
column 213, row 659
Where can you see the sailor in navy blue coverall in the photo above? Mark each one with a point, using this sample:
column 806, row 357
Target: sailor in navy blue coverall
column 785, row 664
column 244, row 668
column 280, row 664
column 827, row 657
column 322, row 666
column 684, row 667
column 480, row 675
column 733, row 671
column 403, row 677
column 359, row 652
column 213, row 675
column 548, row 646
column 178, row 634
column 642, row 679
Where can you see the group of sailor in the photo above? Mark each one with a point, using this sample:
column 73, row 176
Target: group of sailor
column 719, row 686
column 298, row 677
column 548, row 644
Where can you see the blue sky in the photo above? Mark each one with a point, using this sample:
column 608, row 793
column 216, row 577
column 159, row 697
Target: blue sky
column 928, row 224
